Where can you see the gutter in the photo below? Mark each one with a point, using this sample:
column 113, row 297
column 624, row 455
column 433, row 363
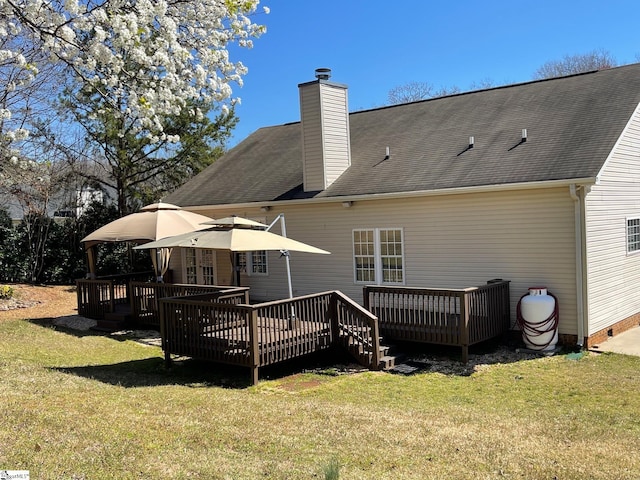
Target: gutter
column 400, row 195
column 578, row 193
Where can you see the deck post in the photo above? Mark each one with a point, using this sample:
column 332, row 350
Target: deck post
column 365, row 297
column 163, row 334
column 464, row 326
column 375, row 335
column 333, row 318
column 132, row 302
column 112, row 295
column 79, row 292
column 254, row 345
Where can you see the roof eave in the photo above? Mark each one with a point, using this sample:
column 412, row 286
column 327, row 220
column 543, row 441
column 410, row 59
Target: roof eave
column 402, row 195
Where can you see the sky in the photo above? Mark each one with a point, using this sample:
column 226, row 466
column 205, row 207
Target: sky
column 373, row 46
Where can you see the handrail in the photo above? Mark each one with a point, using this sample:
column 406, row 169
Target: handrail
column 289, row 300
column 360, row 325
column 126, row 276
column 145, row 296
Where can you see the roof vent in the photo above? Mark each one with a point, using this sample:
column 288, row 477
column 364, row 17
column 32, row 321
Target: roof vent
column 323, row 73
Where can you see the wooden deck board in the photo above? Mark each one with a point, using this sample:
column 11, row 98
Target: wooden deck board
column 270, row 330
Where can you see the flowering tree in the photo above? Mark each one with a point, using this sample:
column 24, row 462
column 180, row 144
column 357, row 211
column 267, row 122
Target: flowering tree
column 146, row 58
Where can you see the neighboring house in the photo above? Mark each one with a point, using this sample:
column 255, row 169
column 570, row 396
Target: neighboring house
column 537, row 183
column 67, row 203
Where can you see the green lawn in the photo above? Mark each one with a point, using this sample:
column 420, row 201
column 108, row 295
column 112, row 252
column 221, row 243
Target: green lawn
column 77, row 406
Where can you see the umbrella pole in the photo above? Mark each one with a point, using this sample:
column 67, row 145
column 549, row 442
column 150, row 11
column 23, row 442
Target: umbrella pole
column 286, row 258
column 283, row 228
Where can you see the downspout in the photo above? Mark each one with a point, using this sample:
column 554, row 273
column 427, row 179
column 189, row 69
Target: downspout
column 580, row 236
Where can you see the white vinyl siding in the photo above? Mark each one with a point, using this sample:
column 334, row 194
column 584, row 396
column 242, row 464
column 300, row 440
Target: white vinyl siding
column 450, row 241
column 337, row 157
column 325, row 134
column 613, row 273
column 313, row 160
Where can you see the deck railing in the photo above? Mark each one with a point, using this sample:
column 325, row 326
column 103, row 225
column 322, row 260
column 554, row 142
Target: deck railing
column 145, row 296
column 97, row 297
column 263, row 334
column 357, row 330
column 457, row 317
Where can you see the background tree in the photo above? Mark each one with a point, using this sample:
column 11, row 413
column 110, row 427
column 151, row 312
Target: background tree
column 6, row 233
column 38, row 188
column 568, row 65
column 573, row 64
column 414, row 91
column 138, row 166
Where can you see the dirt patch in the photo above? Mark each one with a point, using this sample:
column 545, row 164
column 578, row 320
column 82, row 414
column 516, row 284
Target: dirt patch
column 38, row 302
column 297, row 383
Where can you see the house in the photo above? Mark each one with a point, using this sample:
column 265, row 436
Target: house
column 60, row 205
column 536, row 183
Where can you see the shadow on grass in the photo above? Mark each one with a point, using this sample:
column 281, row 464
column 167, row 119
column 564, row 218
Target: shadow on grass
column 81, row 327
column 151, row 372
column 52, row 322
column 416, row 358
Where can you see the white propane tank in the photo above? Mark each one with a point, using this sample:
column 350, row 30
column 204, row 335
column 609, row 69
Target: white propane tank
column 539, row 319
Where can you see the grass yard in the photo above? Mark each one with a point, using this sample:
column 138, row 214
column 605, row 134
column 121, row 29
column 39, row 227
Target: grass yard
column 82, row 406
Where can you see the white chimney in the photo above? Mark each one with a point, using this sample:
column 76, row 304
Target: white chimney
column 324, row 114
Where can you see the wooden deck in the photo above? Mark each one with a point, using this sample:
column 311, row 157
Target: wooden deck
column 98, row 297
column 218, row 324
column 455, row 317
column 134, row 297
column 255, row 336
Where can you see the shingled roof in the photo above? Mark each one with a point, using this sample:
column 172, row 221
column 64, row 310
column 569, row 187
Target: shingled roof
column 572, row 125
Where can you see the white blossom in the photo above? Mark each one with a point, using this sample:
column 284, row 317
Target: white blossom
column 152, row 57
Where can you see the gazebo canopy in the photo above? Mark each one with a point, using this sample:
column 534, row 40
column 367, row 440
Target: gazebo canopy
column 153, row 222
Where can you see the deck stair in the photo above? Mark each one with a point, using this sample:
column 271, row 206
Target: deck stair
column 114, row 321
column 390, row 357
column 358, row 346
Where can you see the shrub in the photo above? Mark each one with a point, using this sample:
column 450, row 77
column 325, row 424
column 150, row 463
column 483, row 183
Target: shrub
column 6, row 292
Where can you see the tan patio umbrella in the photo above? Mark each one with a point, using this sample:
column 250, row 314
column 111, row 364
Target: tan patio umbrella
column 153, row 222
column 235, row 221
column 243, row 236
column 234, row 240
